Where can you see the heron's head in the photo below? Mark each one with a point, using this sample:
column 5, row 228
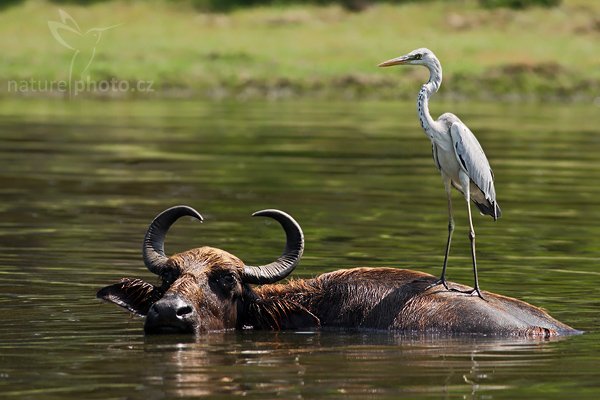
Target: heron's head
column 420, row 56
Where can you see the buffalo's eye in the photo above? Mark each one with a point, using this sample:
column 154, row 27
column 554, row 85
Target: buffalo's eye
column 169, row 276
column 227, row 281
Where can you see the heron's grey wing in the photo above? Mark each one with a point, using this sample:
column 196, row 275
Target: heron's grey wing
column 473, row 160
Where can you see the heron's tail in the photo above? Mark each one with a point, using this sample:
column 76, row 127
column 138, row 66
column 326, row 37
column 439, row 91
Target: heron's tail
column 489, row 208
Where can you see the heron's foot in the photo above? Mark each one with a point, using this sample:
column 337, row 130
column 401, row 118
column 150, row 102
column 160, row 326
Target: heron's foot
column 437, row 283
column 470, row 292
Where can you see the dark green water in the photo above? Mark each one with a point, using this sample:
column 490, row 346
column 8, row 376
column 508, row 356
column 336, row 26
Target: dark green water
column 80, row 181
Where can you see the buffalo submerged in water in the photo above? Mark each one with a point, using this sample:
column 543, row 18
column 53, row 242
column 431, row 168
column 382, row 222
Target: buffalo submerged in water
column 208, row 289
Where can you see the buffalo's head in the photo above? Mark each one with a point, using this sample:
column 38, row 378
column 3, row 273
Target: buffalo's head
column 201, row 289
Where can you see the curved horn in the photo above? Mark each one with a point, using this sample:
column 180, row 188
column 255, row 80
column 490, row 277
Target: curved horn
column 153, row 249
column 284, row 265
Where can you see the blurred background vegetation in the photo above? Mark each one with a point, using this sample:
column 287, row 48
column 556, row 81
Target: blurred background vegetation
column 490, row 49
column 357, row 5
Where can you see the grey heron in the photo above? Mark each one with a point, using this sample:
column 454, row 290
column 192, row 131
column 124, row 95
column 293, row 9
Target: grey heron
column 457, row 154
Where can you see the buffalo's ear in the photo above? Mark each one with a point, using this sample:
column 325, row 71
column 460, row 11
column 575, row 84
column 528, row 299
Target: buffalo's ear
column 133, row 294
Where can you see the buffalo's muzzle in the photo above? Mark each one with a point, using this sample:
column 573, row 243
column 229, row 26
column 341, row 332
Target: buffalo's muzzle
column 171, row 314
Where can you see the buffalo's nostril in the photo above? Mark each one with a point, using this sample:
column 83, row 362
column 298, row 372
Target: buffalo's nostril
column 171, row 314
column 183, row 311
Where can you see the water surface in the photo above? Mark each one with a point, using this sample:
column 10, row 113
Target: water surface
column 81, row 180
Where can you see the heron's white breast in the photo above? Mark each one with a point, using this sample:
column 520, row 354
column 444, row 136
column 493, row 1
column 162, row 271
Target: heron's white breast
column 447, row 160
column 449, row 164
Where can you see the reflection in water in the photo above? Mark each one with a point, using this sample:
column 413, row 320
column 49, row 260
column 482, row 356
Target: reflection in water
column 80, row 181
column 299, row 364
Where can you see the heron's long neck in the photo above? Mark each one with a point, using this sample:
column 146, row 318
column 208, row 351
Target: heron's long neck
column 432, row 86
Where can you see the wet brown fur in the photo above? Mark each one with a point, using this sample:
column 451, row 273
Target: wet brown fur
column 359, row 298
column 396, row 299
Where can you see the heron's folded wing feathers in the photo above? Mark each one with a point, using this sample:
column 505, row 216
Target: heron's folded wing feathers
column 472, row 159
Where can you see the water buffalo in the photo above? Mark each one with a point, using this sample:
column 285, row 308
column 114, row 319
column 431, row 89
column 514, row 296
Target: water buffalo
column 207, row 289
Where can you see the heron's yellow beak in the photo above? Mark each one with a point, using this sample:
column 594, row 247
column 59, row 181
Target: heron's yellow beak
column 394, row 61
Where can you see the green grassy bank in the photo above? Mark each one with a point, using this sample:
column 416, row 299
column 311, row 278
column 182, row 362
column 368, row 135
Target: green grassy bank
column 272, row 52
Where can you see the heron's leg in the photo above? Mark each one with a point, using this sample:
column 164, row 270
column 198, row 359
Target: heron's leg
column 442, row 280
column 450, row 231
column 465, row 183
column 473, row 255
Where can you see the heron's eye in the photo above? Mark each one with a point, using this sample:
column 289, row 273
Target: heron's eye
column 418, row 56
